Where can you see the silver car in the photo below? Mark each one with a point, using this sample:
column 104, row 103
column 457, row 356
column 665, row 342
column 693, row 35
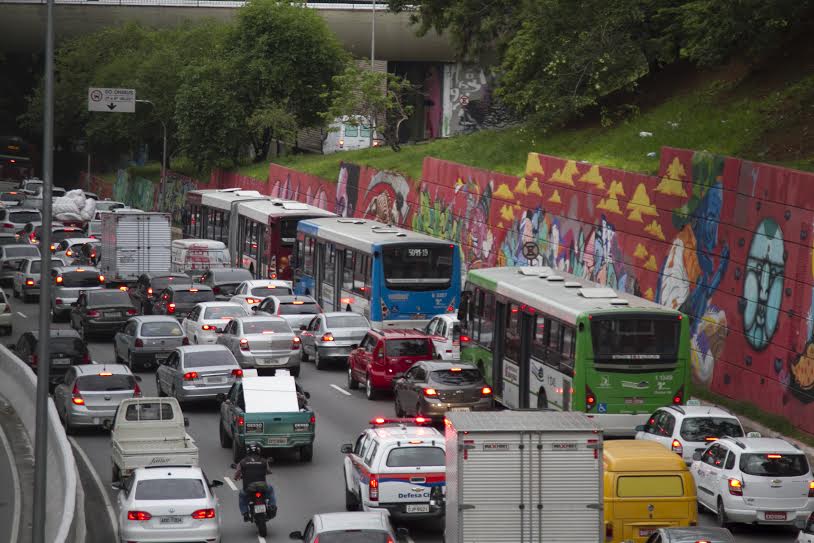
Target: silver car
column 147, row 340
column 329, row 336
column 693, row 534
column 26, row 281
column 197, row 372
column 90, row 394
column 10, row 256
column 262, row 343
column 68, row 282
column 297, row 310
column 373, row 526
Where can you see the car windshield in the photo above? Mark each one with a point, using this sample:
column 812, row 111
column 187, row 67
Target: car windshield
column 170, row 489
column 186, row 296
column 161, row 329
column 109, row 297
column 67, row 345
column 266, row 327
column 701, row 428
column 22, row 217
column 36, row 265
column 347, row 321
column 457, row 376
column 205, row 359
column 354, row 536
column 106, row 382
column 271, row 291
column 774, row 465
column 78, row 279
column 223, row 312
column 160, row 283
column 230, row 276
column 15, row 251
column 408, row 347
column 408, row 457
column 305, row 308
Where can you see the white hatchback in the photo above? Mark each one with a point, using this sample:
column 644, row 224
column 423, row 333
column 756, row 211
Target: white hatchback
column 447, row 338
column 159, row 504
column 754, row 480
column 208, row 319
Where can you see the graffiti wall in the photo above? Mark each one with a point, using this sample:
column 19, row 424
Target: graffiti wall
column 134, row 191
column 468, row 102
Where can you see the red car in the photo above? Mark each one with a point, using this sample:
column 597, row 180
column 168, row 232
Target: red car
column 384, row 355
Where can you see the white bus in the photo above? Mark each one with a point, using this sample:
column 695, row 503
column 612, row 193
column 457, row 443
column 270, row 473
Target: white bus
column 208, row 214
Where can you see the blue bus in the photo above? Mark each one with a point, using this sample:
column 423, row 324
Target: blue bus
column 395, row 277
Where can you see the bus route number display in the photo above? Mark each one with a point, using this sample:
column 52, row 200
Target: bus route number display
column 418, row 253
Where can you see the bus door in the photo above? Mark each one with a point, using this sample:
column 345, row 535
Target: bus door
column 501, row 310
column 326, row 276
column 528, row 322
column 262, row 263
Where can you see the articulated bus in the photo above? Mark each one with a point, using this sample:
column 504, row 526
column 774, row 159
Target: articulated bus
column 550, row 340
column 208, row 214
column 395, row 277
column 262, row 234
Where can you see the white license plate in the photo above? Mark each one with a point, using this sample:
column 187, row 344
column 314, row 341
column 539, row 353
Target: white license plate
column 646, row 532
column 418, row 508
column 775, row 515
column 215, row 380
column 259, row 509
column 459, row 409
column 277, row 441
column 61, row 361
column 171, row 520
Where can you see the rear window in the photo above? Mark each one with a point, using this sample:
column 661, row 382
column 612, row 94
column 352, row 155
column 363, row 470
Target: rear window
column 408, row 347
column 701, row 428
column 354, row 536
column 107, row 383
column 78, row 279
column 71, row 345
column 462, row 377
column 199, row 296
column 170, row 489
column 149, row 411
column 774, row 465
column 208, row 359
column 60, row 235
column 161, row 329
column 271, row 291
column 21, row 250
column 348, row 321
column 231, row 275
column 21, row 217
column 36, row 265
column 405, row 457
column 109, row 297
column 305, row 308
column 224, row 312
column 650, row 486
column 160, row 283
column 259, row 327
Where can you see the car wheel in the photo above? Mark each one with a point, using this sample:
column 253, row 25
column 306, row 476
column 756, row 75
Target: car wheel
column 720, row 515
column 351, row 503
column 398, row 408
column 306, row 453
column 237, row 452
column 225, row 440
column 352, row 384
column 131, row 362
column 319, row 362
column 370, row 392
column 69, row 429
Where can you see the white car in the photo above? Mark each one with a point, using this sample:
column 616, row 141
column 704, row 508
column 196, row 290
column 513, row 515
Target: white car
column 446, row 335
column 262, row 288
column 247, row 301
column 68, row 248
column 807, row 533
column 754, row 480
column 688, row 429
column 168, row 503
column 208, row 319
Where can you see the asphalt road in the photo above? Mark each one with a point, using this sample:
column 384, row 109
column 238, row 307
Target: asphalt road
column 302, row 489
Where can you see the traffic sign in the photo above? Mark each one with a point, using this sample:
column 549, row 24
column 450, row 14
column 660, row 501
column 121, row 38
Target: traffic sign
column 112, row 100
column 531, row 250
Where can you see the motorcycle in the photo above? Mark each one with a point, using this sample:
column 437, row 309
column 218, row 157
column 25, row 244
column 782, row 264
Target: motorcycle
column 262, row 505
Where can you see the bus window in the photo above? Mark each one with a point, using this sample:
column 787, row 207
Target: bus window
column 487, row 327
column 538, row 344
column 330, row 264
column 554, row 329
column 512, row 345
column 568, row 344
column 347, row 270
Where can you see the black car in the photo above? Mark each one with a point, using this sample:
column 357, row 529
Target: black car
column 150, row 285
column 177, row 301
column 224, row 281
column 67, row 349
column 101, row 311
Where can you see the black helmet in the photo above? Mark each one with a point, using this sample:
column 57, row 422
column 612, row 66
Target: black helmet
column 253, row 448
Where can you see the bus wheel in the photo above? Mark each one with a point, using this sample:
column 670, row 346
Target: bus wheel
column 542, row 399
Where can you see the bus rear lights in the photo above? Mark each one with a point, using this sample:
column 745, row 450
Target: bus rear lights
column 735, row 487
column 677, row 447
column 590, row 398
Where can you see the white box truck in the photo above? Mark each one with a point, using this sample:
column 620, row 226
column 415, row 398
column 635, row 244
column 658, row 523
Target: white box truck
column 523, row 477
column 134, row 243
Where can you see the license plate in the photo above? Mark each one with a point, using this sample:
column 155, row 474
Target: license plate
column 634, row 401
column 418, row 508
column 215, row 380
column 775, row 515
column 60, row 361
column 277, row 441
column 459, row 409
column 259, row 509
column 171, row 520
column 645, row 532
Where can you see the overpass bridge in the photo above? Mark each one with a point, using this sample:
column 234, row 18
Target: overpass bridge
column 22, row 23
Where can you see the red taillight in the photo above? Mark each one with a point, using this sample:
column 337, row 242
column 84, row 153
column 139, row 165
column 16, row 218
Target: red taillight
column 677, row 447
column 201, row 514
column 678, row 397
column 241, row 421
column 34, row 360
column 170, row 308
column 190, row 375
column 29, row 282
column 185, row 341
column 313, row 419
column 430, row 392
column 93, row 313
column 244, row 344
column 59, row 279
column 8, row 225
column 139, row 342
column 137, row 391
column 138, row 515
column 373, row 488
column 216, row 290
column 101, row 278
column 132, row 312
column 207, row 327
column 68, row 253
column 295, row 343
column 76, row 397
column 86, row 358
column 327, row 337
column 465, row 339
column 486, row 391
column 735, row 487
column 237, row 373
column 258, row 494
column 590, row 398
column 421, row 420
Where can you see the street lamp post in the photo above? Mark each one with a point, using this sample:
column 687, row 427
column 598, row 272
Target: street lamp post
column 163, row 157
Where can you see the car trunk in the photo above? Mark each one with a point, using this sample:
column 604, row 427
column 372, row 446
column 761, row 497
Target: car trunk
column 224, row 291
column 273, row 429
column 112, row 312
column 105, row 400
column 411, row 484
column 344, row 337
column 459, row 395
column 173, row 514
column 270, row 344
column 161, row 343
column 213, row 375
column 777, row 494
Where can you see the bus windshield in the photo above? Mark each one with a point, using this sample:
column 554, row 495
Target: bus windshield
column 418, row 267
column 641, row 338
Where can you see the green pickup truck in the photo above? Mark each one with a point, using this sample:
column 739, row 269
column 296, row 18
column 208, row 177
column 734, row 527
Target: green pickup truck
column 267, row 411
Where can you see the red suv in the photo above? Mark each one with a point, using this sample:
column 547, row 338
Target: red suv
column 384, row 355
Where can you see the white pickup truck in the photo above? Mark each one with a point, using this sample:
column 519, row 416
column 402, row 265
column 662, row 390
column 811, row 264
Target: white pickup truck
column 150, row 432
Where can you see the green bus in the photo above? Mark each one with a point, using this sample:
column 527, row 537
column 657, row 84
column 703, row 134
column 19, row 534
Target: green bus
column 546, row 339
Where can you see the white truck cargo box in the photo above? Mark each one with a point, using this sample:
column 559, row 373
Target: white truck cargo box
column 133, row 244
column 523, row 477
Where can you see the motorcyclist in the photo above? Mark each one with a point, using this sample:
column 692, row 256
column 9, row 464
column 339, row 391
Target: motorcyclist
column 253, row 469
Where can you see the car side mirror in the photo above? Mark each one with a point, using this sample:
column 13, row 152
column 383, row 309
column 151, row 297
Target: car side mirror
column 347, row 448
column 186, row 422
column 696, row 456
column 354, row 346
column 221, row 397
column 117, row 486
column 641, row 428
column 296, row 535
column 215, row 483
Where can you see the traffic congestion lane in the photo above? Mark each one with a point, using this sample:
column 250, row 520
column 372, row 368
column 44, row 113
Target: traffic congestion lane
column 302, row 489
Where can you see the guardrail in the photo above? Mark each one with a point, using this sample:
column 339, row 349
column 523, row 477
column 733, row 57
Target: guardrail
column 18, row 386
column 363, row 5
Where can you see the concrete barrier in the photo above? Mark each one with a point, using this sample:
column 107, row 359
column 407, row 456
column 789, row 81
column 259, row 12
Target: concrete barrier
column 18, row 386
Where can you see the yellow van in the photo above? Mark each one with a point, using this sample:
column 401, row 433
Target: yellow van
column 647, row 487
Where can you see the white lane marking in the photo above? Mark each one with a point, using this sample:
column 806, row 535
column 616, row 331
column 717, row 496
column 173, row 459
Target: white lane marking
column 340, row 389
column 409, row 539
column 111, row 513
column 230, row 483
column 15, row 481
column 261, row 539
column 22, row 315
